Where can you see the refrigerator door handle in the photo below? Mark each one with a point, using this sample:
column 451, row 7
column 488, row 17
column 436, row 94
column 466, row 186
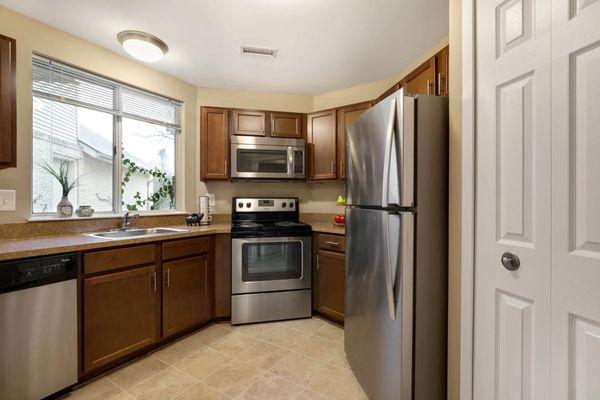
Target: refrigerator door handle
column 389, row 141
column 389, row 278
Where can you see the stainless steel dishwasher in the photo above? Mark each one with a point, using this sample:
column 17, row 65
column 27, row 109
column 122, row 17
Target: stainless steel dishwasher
column 38, row 326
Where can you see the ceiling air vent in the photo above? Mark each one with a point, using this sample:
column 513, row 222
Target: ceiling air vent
column 258, row 51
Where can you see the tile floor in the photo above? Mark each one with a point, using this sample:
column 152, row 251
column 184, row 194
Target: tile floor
column 300, row 360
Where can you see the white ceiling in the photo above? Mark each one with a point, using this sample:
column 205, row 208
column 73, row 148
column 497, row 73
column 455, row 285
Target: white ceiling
column 323, row 45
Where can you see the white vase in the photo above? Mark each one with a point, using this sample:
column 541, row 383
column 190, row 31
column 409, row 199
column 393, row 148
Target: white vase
column 65, row 208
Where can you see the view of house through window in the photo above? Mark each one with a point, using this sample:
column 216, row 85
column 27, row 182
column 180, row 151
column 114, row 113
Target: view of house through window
column 117, row 142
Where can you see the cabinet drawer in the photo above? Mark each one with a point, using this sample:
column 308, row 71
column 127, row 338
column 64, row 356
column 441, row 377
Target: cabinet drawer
column 185, row 248
column 332, row 242
column 107, row 260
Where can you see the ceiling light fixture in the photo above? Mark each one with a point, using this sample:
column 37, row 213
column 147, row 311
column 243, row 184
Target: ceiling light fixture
column 143, row 46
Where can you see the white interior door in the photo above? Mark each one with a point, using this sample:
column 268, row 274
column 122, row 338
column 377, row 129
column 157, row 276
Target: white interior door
column 576, row 200
column 537, row 329
column 513, row 198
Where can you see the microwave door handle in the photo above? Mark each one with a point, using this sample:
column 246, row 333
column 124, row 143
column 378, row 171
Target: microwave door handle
column 290, row 163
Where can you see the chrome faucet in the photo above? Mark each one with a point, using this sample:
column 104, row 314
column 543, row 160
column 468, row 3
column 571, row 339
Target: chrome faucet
column 127, row 219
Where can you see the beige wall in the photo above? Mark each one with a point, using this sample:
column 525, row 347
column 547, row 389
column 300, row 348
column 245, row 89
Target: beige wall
column 455, row 201
column 372, row 90
column 33, row 36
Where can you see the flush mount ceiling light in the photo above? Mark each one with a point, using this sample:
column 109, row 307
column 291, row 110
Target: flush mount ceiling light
column 142, row 45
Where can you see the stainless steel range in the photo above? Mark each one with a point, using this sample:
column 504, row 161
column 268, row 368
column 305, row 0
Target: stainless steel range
column 270, row 260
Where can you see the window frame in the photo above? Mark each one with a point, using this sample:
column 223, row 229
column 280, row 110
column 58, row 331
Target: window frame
column 118, row 115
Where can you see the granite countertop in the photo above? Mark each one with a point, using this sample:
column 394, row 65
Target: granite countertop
column 46, row 245
column 13, row 249
column 327, row 227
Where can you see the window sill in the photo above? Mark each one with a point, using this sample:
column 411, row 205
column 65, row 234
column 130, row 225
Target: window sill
column 44, row 218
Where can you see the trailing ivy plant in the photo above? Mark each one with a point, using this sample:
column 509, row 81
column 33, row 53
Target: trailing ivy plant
column 166, row 188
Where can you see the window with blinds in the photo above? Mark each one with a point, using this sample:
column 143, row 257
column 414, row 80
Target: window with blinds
column 117, row 141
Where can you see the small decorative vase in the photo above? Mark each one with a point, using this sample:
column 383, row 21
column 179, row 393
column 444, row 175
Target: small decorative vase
column 84, row 211
column 65, row 208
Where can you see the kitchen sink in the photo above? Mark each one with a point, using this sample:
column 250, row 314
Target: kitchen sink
column 128, row 233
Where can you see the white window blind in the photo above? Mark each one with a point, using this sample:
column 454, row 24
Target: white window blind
column 60, row 82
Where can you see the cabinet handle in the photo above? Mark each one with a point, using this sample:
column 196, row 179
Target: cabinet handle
column 446, row 73
column 318, row 262
column 226, row 167
column 439, row 84
column 168, row 277
column 428, row 86
column 342, row 170
column 335, row 244
column 154, row 280
column 333, row 167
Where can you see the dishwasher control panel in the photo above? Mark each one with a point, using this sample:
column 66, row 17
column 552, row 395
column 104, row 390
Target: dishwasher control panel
column 21, row 274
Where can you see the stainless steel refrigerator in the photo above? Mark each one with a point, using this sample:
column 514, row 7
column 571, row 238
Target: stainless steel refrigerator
column 396, row 250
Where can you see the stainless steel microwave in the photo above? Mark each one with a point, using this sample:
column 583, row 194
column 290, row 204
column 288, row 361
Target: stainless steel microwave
column 258, row 158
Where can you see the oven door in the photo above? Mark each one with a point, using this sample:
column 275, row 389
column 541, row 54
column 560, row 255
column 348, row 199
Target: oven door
column 256, row 161
column 270, row 264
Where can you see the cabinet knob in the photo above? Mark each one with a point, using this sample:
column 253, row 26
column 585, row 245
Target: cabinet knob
column 510, row 261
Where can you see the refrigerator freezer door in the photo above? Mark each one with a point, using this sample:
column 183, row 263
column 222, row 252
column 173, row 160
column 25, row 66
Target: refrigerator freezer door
column 379, row 293
column 380, row 155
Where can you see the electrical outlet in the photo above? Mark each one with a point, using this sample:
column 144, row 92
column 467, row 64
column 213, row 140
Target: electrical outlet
column 7, row 200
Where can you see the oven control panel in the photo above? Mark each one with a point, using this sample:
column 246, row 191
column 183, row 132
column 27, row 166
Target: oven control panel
column 265, row 205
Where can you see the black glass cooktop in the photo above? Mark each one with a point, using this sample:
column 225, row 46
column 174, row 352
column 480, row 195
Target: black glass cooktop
column 273, row 228
column 276, row 216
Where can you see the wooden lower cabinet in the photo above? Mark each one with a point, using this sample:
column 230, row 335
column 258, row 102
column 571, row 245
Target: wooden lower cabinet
column 186, row 294
column 330, row 279
column 119, row 315
column 222, row 276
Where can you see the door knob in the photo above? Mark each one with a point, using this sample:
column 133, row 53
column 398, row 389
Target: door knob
column 510, row 261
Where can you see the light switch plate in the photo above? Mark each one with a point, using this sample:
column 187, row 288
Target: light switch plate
column 8, row 199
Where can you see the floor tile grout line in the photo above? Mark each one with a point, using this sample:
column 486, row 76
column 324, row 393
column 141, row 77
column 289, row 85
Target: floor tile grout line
column 329, row 361
column 148, row 378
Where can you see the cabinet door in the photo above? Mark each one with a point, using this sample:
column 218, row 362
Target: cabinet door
column 322, row 139
column 119, row 315
column 222, row 276
column 214, row 144
column 249, row 123
column 287, row 125
column 422, row 79
column 8, row 103
column 442, row 62
column 346, row 116
column 186, row 293
column 331, row 277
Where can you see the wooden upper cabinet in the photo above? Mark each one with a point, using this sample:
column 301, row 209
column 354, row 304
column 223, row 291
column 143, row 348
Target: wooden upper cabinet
column 119, row 315
column 442, row 60
column 422, row 79
column 186, row 293
column 214, row 144
column 286, row 125
column 346, row 116
column 322, row 142
column 8, row 103
column 391, row 90
column 248, row 122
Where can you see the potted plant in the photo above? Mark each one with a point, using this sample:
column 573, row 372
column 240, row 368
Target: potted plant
column 64, row 207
